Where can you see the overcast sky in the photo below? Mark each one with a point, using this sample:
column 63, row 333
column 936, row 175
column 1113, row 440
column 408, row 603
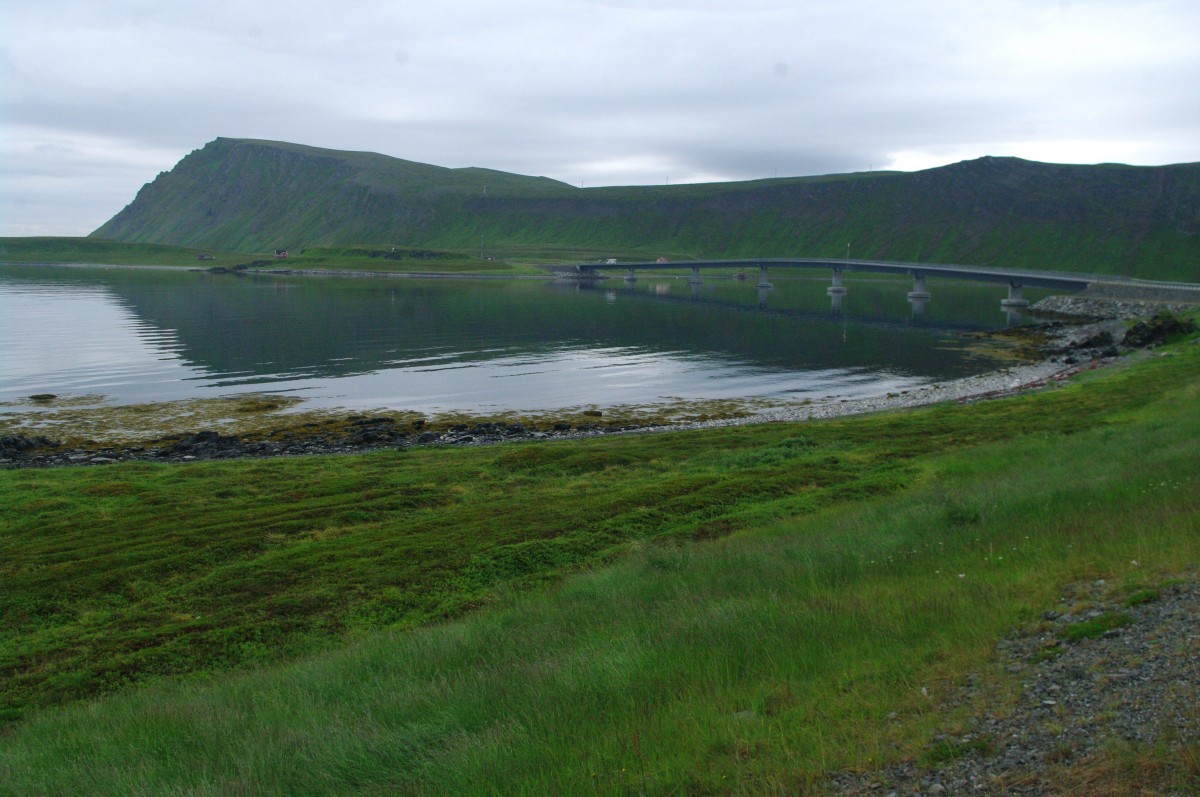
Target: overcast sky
column 99, row 96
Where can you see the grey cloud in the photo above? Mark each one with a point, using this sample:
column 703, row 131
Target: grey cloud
column 609, row 91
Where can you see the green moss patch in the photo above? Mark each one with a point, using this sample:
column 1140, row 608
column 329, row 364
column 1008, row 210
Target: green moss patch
column 1097, row 626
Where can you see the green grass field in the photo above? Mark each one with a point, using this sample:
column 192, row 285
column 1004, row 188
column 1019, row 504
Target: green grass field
column 756, row 599
column 99, row 251
column 343, row 258
column 403, row 259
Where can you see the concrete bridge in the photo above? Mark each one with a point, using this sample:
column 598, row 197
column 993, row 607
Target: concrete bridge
column 1016, row 279
column 763, row 306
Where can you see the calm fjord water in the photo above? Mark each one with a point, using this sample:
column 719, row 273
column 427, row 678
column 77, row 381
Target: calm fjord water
column 131, row 336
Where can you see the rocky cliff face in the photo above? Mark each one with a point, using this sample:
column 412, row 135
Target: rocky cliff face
column 237, row 195
column 256, row 195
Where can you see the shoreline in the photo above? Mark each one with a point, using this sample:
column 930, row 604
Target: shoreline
column 981, row 387
column 299, row 272
column 357, row 434
column 1063, row 349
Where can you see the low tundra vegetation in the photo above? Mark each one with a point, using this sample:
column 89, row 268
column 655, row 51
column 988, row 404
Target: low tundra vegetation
column 714, row 612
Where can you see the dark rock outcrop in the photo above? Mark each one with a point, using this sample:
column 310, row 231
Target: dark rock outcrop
column 1162, row 328
column 17, row 446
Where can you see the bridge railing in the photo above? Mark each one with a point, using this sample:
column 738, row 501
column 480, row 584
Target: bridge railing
column 1029, row 277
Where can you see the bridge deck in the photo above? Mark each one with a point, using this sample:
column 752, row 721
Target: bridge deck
column 1058, row 280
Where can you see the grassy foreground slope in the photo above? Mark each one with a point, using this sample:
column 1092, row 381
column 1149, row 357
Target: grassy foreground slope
column 258, row 195
column 867, row 563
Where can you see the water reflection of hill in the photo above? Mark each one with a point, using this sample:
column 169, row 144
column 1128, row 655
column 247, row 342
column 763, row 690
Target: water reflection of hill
column 337, row 327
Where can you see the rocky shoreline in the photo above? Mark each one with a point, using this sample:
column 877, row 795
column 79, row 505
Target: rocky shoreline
column 362, row 434
column 1064, row 348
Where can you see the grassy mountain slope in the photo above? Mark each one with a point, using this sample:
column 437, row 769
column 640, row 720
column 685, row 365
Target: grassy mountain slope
column 257, row 195
column 254, row 195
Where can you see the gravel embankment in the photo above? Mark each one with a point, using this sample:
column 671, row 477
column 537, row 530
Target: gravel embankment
column 1099, row 670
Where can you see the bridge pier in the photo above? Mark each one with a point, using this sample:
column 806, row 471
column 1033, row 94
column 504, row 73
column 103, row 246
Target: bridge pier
column 631, row 276
column 763, row 292
column 835, row 298
column 837, row 288
column 763, row 281
column 919, row 290
column 695, row 280
column 1016, row 297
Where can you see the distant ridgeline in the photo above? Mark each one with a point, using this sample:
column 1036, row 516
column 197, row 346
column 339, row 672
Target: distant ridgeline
column 248, row 195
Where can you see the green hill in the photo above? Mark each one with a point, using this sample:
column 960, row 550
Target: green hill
column 97, row 250
column 252, row 195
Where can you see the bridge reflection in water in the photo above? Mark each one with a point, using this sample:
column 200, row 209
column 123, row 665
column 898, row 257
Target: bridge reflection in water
column 918, row 300
column 867, row 303
column 1015, row 280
